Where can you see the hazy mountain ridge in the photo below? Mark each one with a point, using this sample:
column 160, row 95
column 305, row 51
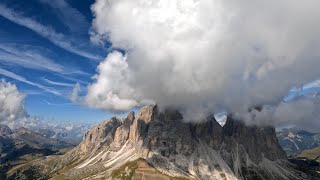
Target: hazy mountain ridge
column 32, row 138
column 21, row 145
column 294, row 141
column 193, row 151
column 50, row 129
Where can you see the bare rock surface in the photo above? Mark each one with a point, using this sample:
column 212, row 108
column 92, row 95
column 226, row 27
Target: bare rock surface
column 177, row 149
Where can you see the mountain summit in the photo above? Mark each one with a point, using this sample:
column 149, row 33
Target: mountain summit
column 122, row 148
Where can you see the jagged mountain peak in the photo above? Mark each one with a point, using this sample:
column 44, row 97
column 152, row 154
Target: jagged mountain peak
column 167, row 142
column 202, row 150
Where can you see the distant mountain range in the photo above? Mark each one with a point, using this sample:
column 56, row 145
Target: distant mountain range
column 21, row 145
column 66, row 131
column 294, row 141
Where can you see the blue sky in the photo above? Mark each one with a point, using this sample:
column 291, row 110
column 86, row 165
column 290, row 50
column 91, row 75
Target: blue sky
column 45, row 49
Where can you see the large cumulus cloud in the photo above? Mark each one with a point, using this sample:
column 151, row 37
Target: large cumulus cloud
column 11, row 102
column 110, row 84
column 12, row 111
column 204, row 55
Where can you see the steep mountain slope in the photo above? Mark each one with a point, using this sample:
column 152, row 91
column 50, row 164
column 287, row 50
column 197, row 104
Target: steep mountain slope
column 174, row 148
column 294, row 141
column 308, row 161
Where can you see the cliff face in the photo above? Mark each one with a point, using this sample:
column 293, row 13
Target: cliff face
column 258, row 142
column 204, row 150
column 195, row 151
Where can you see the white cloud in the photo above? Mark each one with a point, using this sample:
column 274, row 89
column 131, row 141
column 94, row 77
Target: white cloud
column 74, row 96
column 24, row 80
column 13, row 114
column 11, row 101
column 28, row 58
column 57, row 83
column 56, row 38
column 208, row 55
column 109, row 90
column 303, row 113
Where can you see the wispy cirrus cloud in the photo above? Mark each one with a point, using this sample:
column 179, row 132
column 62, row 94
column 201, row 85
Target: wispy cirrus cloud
column 69, row 16
column 24, row 80
column 57, row 104
column 55, row 83
column 28, row 58
column 46, row 32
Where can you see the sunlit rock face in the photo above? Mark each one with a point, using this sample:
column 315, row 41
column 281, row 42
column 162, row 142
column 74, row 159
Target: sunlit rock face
column 196, row 150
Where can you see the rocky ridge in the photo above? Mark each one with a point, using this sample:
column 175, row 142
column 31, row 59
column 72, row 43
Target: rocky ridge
column 175, row 148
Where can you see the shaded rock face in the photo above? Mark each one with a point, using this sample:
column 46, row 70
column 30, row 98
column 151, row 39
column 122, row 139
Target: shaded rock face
column 200, row 150
column 139, row 127
column 5, row 130
column 258, row 142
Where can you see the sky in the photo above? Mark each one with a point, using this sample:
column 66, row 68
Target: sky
column 84, row 61
column 45, row 49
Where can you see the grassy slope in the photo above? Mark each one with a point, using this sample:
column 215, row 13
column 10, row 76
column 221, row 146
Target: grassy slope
column 126, row 171
column 137, row 168
column 310, row 154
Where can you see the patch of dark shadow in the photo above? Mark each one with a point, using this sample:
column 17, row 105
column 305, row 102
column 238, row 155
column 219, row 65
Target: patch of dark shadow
column 4, row 168
column 27, row 149
column 222, row 175
column 7, row 146
column 217, row 167
column 142, row 128
column 309, row 167
column 251, row 174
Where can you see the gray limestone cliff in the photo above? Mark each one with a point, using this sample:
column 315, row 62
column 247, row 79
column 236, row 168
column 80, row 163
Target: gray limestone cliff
column 198, row 150
column 202, row 150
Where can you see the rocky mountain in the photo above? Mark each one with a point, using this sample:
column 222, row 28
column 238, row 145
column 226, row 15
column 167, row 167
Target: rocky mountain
column 21, row 145
column 308, row 161
column 294, row 141
column 160, row 145
column 34, row 139
column 5, row 131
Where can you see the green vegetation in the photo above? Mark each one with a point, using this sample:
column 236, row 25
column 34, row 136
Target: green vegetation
column 29, row 173
column 310, row 154
column 26, row 158
column 63, row 151
column 126, row 171
column 173, row 178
